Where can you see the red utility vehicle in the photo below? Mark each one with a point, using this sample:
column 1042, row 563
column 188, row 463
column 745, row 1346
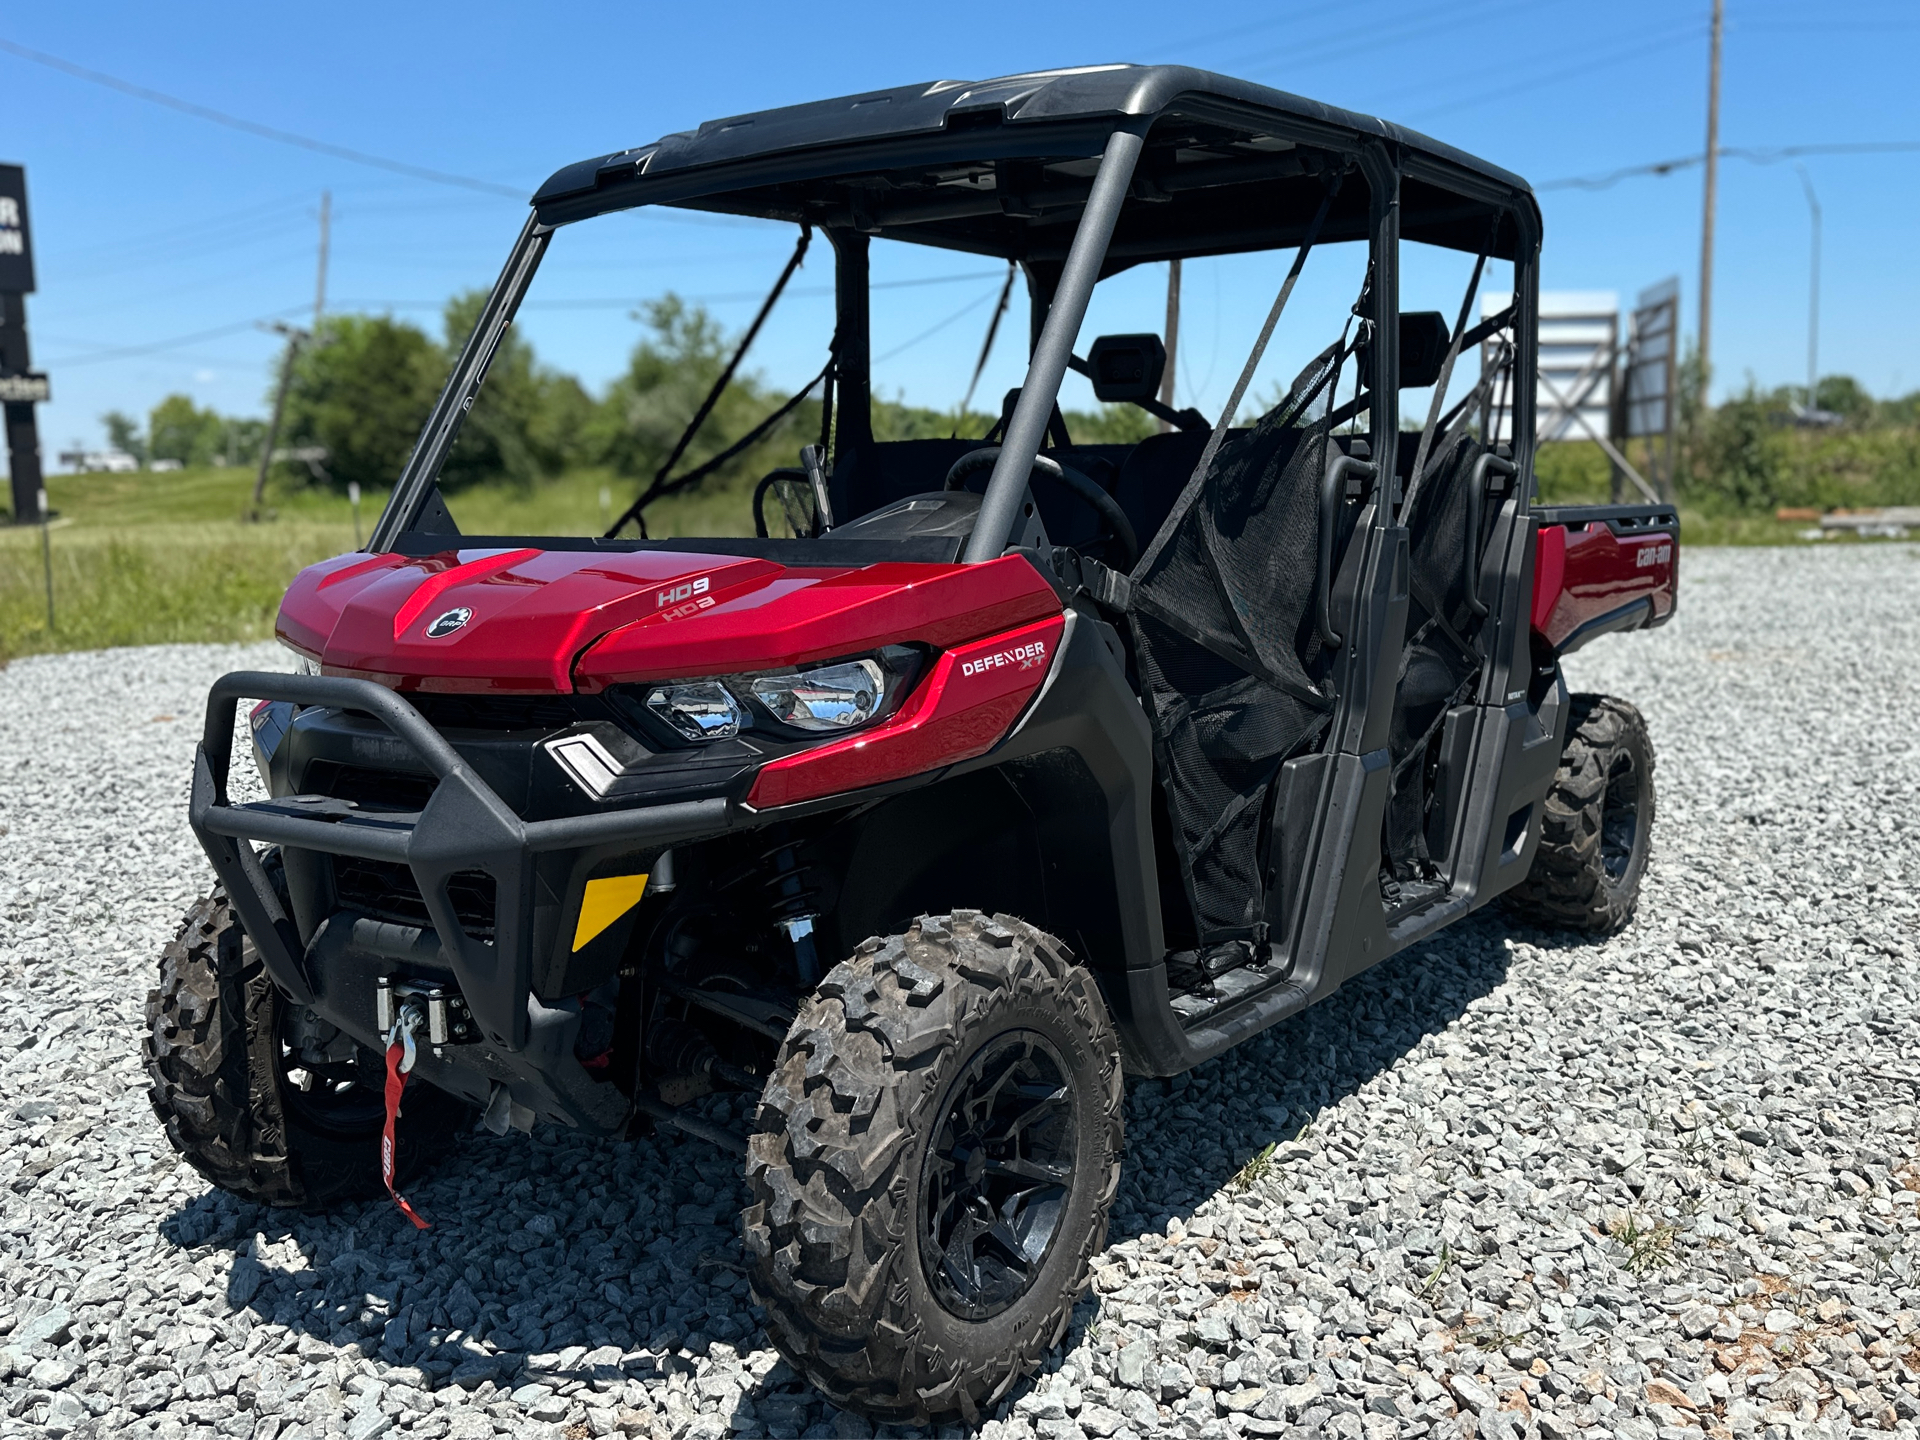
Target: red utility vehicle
column 882, row 849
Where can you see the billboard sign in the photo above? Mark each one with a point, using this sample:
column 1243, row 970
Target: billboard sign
column 1652, row 360
column 30, row 389
column 16, row 243
column 1579, row 339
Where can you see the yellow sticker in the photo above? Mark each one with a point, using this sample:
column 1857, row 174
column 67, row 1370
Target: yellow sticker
column 605, row 901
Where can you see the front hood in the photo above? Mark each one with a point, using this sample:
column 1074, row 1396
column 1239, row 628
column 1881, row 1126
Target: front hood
column 551, row 621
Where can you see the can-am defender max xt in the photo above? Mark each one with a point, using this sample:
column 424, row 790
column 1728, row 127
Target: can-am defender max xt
column 1014, row 766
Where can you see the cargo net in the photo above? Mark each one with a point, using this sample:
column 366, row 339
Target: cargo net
column 1438, row 667
column 1440, row 663
column 1229, row 654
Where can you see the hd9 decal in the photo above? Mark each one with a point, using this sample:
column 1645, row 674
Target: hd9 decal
column 673, row 595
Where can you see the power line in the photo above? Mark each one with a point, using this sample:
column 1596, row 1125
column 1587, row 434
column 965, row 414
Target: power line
column 1757, row 154
column 594, row 303
column 1340, row 43
column 126, row 352
column 252, row 127
column 614, row 302
column 933, row 330
column 1487, row 96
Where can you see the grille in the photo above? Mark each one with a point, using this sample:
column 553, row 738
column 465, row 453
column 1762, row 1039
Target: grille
column 504, row 712
column 370, row 789
column 386, row 891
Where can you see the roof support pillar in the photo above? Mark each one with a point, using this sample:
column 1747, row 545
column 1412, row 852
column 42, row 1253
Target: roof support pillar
column 853, row 399
column 1001, row 504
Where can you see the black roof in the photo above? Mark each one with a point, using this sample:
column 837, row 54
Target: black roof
column 1002, row 166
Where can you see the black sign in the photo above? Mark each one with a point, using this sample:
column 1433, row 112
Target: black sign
column 16, row 246
column 18, row 389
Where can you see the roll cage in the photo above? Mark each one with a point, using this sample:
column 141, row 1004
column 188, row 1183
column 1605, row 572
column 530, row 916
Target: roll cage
column 1073, row 176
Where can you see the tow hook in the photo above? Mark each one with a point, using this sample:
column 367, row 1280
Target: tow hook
column 400, row 1057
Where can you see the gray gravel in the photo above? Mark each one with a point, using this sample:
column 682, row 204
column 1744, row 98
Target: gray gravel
column 1517, row 1184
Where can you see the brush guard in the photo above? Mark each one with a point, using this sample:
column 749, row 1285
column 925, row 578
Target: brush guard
column 464, row 826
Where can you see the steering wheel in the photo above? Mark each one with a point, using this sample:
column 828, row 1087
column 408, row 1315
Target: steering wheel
column 1104, row 505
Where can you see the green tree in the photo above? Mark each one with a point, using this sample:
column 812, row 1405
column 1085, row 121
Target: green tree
column 241, row 437
column 1740, row 458
column 1843, row 395
column 1111, row 425
column 1905, row 411
column 671, row 370
column 177, row 429
column 530, row 421
column 123, row 433
column 897, row 420
column 364, row 391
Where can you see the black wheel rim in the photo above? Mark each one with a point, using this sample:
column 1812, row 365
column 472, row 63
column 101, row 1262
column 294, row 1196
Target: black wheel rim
column 998, row 1175
column 344, row 1098
column 1620, row 818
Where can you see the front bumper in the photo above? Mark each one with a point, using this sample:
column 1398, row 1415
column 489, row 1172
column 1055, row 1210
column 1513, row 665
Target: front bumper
column 524, row 1044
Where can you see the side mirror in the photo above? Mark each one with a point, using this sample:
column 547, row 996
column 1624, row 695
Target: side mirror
column 1126, row 367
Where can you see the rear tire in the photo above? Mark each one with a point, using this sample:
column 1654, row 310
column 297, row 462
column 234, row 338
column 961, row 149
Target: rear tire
column 938, row 1149
column 1598, row 826
column 220, row 1083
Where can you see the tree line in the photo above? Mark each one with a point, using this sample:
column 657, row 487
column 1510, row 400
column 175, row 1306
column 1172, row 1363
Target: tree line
column 361, row 389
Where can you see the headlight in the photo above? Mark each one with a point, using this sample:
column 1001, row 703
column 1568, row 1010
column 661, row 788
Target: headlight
column 833, row 697
column 699, row 710
column 817, row 700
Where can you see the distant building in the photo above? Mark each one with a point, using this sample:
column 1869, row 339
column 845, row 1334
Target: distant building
column 118, row 462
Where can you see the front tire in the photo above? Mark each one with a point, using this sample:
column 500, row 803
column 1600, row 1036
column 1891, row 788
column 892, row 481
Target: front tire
column 1598, row 827
column 938, row 1149
column 225, row 1084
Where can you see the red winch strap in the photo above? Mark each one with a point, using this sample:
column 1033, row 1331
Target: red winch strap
column 396, row 1086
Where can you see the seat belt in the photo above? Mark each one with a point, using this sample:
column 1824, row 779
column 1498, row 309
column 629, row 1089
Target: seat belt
column 1440, row 386
column 1220, row 426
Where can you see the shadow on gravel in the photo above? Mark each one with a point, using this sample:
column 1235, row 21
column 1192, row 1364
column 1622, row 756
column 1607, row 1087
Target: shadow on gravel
column 563, row 1252
column 1188, row 1137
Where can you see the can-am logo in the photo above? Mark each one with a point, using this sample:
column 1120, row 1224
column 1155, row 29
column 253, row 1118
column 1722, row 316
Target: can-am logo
column 1025, row 656
column 1653, row 555
column 686, row 591
column 448, row 623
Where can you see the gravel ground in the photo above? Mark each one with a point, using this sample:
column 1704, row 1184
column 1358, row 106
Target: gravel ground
column 1506, row 1185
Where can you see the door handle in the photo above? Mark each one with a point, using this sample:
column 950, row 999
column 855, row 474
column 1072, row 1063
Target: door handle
column 1332, row 491
column 1487, row 464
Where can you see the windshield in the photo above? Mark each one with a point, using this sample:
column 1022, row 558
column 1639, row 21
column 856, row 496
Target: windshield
column 633, row 320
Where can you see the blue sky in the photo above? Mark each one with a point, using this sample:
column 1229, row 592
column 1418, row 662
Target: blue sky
column 151, row 226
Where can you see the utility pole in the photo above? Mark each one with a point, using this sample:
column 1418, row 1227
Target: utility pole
column 1813, row 294
column 295, row 338
column 1173, row 337
column 320, row 286
column 1713, row 187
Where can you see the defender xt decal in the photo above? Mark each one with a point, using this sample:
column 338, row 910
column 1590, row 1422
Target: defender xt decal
column 1026, row 656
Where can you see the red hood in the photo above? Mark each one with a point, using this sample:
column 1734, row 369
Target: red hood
column 548, row 621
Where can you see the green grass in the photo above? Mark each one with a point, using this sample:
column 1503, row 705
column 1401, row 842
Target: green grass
column 146, row 559
column 1574, row 472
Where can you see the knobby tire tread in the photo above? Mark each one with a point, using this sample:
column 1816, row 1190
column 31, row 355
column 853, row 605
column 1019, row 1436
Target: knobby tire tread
column 215, row 1085
column 833, row 1223
column 1568, row 886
